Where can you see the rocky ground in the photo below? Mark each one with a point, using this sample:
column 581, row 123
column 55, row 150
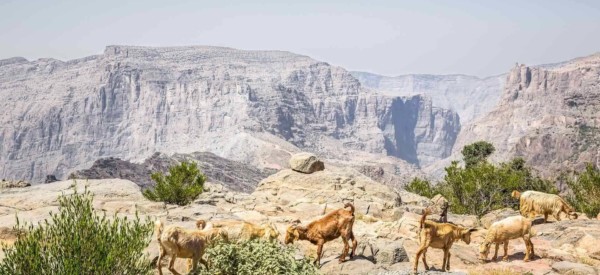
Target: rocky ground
column 386, row 221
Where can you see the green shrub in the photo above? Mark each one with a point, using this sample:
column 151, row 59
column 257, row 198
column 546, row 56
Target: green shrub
column 181, row 186
column 254, row 257
column 78, row 241
column 421, row 187
column 586, row 191
column 481, row 186
column 477, row 152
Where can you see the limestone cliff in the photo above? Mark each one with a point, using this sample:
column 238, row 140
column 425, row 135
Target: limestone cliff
column 256, row 107
column 550, row 115
column 471, row 97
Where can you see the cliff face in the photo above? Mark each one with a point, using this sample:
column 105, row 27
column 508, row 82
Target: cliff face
column 251, row 106
column 471, row 97
column 548, row 115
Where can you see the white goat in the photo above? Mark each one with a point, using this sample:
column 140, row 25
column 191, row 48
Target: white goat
column 532, row 203
column 504, row 230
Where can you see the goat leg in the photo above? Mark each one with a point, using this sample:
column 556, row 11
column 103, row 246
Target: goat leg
column 425, row 260
column 161, row 255
column 496, row 252
column 354, row 244
column 171, row 263
column 448, row 261
column 505, row 258
column 445, row 262
column 344, row 250
column 319, row 251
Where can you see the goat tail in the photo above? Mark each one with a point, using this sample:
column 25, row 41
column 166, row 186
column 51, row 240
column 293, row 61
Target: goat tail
column 515, row 194
column 351, row 207
column 426, row 212
column 158, row 227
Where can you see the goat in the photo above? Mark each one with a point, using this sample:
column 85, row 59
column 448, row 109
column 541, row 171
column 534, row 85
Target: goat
column 211, row 234
column 180, row 243
column 504, row 230
column 534, row 202
column 441, row 236
column 241, row 230
column 334, row 225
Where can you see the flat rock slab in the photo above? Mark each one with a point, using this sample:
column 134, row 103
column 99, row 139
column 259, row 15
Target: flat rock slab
column 565, row 267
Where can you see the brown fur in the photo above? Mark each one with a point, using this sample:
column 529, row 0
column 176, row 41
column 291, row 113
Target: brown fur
column 334, row 225
column 441, row 236
column 180, row 243
column 241, row 230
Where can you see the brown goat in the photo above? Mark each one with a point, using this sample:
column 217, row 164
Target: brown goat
column 180, row 243
column 441, row 236
column 335, row 224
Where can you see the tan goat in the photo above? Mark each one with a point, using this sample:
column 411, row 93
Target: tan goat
column 334, row 225
column 180, row 243
column 532, row 203
column 501, row 232
column 212, row 234
column 241, row 230
column 441, row 236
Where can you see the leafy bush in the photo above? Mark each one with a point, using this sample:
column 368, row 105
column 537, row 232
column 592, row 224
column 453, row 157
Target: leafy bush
column 477, row 152
column 586, row 191
column 78, row 241
column 254, row 257
column 421, row 187
column 482, row 187
column 181, row 186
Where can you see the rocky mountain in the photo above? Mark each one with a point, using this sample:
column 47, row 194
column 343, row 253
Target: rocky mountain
column 255, row 107
column 471, row 97
column 386, row 224
column 549, row 115
column 232, row 175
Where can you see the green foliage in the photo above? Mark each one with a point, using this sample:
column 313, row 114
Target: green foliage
column 181, row 186
column 421, row 187
column 78, row 241
column 586, row 191
column 477, row 152
column 482, row 187
column 254, row 257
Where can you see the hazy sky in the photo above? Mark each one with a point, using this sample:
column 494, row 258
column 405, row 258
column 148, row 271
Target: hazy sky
column 386, row 37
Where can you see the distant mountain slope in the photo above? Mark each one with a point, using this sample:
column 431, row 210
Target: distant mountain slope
column 471, row 97
column 255, row 107
column 550, row 115
column 234, row 175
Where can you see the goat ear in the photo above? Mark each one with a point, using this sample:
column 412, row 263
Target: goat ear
column 472, row 230
column 296, row 222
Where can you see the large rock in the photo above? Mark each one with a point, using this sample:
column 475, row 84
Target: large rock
column 569, row 240
column 13, row 184
column 306, row 163
column 391, row 253
column 318, row 193
column 488, row 219
column 570, row 268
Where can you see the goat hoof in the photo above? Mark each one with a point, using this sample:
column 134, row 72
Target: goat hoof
column 505, row 259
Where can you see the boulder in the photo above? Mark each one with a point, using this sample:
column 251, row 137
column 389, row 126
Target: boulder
column 306, row 163
column 14, row 184
column 570, row 268
column 391, row 253
column 312, row 195
column 50, row 179
column 488, row 219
